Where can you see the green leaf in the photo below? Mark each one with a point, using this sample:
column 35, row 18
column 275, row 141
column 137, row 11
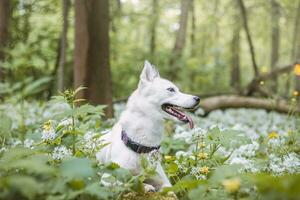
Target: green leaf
column 96, row 190
column 172, row 168
column 222, row 173
column 14, row 154
column 186, row 183
column 36, row 86
column 77, row 168
column 5, row 125
column 27, row 186
column 35, row 164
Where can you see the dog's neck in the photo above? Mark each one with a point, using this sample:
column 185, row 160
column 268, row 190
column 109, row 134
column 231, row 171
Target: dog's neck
column 142, row 127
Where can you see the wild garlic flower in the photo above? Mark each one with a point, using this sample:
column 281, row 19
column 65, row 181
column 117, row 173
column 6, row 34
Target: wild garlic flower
column 48, row 135
column 65, row 122
column 28, row 143
column 197, row 174
column 154, row 157
column 60, row 152
column 3, row 149
column 109, row 180
column 91, row 142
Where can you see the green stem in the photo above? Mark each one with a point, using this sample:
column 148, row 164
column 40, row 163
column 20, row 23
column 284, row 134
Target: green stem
column 73, row 132
column 22, row 127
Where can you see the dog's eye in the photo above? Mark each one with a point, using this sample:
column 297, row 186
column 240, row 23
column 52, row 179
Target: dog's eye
column 171, row 89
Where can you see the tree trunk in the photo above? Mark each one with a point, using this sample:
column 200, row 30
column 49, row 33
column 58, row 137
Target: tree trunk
column 275, row 16
column 235, row 80
column 153, row 26
column 296, row 47
column 246, row 27
column 180, row 39
column 63, row 46
column 193, row 31
column 91, row 53
column 4, row 28
column 119, row 7
column 216, row 52
column 231, row 101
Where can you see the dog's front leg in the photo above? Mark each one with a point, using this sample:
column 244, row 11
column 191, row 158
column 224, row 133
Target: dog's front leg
column 165, row 181
column 162, row 176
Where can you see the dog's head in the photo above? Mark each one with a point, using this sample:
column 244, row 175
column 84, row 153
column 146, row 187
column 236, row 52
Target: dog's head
column 163, row 97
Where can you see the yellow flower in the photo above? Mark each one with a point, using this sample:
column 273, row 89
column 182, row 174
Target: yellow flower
column 290, row 132
column 261, row 82
column 295, row 93
column 168, row 158
column 232, row 185
column 272, row 135
column 201, row 145
column 297, row 69
column 204, row 170
column 202, row 155
column 47, row 125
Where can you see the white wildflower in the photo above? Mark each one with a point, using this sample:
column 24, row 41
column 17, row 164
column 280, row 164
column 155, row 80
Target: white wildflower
column 196, row 172
column 246, row 164
column 288, row 164
column 291, row 163
column 181, row 154
column 60, row 152
column 154, row 157
column 48, row 135
column 276, row 142
column 65, row 122
column 247, row 150
column 28, row 143
column 3, row 149
column 108, row 180
column 16, row 142
column 92, row 141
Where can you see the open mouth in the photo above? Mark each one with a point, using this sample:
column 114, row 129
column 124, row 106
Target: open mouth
column 176, row 111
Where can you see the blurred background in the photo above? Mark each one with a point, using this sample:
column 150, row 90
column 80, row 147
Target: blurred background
column 209, row 48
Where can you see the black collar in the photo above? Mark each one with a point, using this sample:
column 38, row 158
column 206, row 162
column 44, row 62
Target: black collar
column 136, row 147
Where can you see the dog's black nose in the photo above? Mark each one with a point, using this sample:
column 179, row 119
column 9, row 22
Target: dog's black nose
column 197, row 99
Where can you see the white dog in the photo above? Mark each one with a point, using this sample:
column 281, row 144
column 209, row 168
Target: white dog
column 140, row 127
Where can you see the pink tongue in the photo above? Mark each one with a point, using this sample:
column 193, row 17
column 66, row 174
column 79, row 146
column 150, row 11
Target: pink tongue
column 191, row 123
column 185, row 117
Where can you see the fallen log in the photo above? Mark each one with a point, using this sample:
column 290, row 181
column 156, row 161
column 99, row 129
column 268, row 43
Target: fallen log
column 233, row 101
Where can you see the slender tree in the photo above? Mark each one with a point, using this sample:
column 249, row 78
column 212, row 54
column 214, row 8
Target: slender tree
column 180, row 38
column 91, row 54
column 275, row 31
column 4, row 34
column 193, row 26
column 216, row 40
column 250, row 43
column 153, row 26
column 295, row 54
column 63, row 46
column 235, row 80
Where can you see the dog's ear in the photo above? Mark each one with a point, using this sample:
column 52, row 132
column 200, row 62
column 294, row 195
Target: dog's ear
column 149, row 72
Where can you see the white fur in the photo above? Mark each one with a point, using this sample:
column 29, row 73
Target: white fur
column 143, row 122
